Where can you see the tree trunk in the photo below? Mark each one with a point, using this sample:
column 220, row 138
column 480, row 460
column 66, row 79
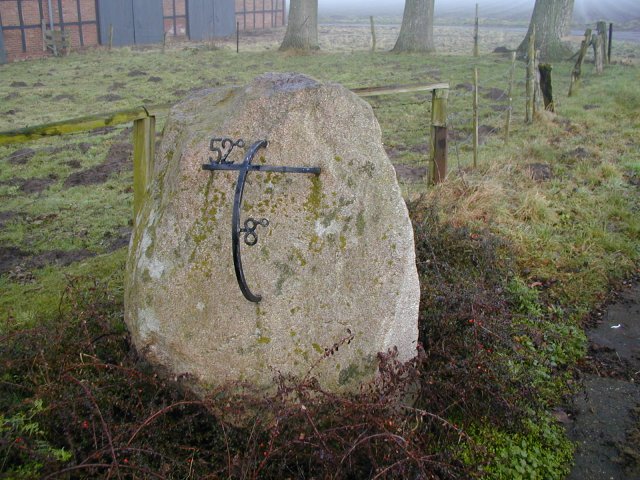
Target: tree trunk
column 416, row 33
column 302, row 26
column 552, row 19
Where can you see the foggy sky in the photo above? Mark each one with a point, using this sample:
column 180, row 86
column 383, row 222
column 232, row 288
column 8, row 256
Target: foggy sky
column 584, row 9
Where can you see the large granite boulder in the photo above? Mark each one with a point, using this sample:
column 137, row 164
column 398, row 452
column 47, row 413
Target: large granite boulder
column 335, row 266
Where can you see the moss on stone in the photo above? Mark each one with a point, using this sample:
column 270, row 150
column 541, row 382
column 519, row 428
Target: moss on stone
column 360, row 224
column 297, row 255
column 348, row 374
column 315, row 244
column 343, row 243
column 313, row 204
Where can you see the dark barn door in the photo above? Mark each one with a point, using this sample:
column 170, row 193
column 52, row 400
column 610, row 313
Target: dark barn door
column 224, row 18
column 119, row 14
column 148, row 21
column 211, row 18
column 134, row 21
column 3, row 52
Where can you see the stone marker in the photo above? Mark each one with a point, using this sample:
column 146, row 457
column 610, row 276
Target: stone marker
column 335, row 263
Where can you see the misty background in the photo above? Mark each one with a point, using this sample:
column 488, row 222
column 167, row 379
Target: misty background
column 585, row 11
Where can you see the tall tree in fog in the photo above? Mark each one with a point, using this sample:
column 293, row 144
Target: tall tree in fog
column 302, row 26
column 416, row 32
column 552, row 19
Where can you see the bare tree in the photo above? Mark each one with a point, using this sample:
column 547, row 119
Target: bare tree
column 302, row 26
column 416, row 32
column 552, row 20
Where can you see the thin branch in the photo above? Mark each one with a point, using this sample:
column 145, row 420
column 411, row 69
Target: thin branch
column 160, row 413
column 105, row 427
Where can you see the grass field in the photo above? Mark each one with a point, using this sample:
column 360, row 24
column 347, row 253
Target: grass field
column 545, row 225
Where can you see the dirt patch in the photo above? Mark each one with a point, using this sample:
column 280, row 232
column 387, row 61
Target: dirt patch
column 578, row 153
column 109, row 97
column 420, row 148
column 21, row 157
column 10, row 257
column 136, row 73
column 591, row 107
column 457, row 135
column 484, row 132
column 395, row 152
column 118, row 159
column 183, row 93
column 60, row 258
column 117, row 240
column 75, row 164
column 464, row 86
column 410, row 173
column 154, row 79
column 102, row 130
column 31, row 185
column 540, row 172
column 12, row 96
column 495, row 94
column 13, row 259
column 63, row 97
column 37, row 185
column 39, row 84
column 606, row 421
column 6, row 217
column 18, row 84
column 115, row 86
column 84, row 147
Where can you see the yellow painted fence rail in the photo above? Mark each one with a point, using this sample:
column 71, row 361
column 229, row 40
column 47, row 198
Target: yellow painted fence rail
column 144, row 132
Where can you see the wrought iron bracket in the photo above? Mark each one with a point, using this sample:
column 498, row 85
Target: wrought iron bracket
column 220, row 162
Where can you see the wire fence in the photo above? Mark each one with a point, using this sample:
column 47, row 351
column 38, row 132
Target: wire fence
column 405, row 120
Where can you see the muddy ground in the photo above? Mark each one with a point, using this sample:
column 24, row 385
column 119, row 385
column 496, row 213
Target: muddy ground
column 18, row 262
column 604, row 419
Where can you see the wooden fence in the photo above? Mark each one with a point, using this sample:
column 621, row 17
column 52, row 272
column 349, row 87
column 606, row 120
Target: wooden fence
column 144, row 132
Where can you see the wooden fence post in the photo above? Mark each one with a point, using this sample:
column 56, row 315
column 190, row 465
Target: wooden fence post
column 144, row 140
column 373, row 34
column 601, row 27
column 512, row 73
column 545, row 86
column 439, row 135
column 530, row 86
column 577, row 68
column 597, row 52
column 537, row 91
column 43, row 27
column 475, row 117
column 476, row 37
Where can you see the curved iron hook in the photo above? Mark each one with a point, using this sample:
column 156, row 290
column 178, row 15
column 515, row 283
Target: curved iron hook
column 235, row 220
